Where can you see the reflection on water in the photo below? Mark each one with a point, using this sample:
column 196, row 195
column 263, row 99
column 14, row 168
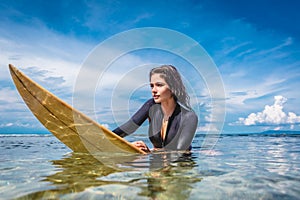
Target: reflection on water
column 159, row 175
column 170, row 177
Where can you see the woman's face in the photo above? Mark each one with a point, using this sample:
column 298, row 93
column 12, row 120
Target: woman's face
column 160, row 89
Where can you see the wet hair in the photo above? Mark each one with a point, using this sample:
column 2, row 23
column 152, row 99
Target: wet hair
column 172, row 77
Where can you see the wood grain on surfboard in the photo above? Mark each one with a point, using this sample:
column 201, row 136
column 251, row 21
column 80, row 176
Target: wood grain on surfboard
column 73, row 128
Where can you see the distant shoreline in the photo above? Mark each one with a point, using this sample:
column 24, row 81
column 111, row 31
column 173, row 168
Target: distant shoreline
column 264, row 133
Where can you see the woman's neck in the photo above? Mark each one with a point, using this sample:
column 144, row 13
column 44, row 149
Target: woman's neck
column 168, row 108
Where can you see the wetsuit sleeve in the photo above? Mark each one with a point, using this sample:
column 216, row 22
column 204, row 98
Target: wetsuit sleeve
column 135, row 121
column 189, row 126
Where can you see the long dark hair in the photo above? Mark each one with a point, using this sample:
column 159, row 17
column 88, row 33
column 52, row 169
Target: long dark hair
column 170, row 74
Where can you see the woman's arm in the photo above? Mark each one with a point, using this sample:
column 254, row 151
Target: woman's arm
column 135, row 121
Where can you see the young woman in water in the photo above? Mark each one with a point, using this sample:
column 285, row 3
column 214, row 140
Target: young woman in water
column 172, row 122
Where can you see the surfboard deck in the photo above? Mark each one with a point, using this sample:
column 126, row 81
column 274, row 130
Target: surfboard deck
column 73, row 128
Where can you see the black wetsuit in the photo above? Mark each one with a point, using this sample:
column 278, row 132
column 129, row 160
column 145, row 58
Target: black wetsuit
column 181, row 127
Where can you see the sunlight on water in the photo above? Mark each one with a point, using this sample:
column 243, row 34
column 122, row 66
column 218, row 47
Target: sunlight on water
column 240, row 167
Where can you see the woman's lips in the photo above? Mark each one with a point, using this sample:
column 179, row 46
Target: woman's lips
column 155, row 96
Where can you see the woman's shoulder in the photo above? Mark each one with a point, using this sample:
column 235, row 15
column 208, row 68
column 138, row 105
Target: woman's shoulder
column 149, row 102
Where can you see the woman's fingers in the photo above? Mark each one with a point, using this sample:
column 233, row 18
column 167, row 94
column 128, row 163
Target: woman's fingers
column 141, row 145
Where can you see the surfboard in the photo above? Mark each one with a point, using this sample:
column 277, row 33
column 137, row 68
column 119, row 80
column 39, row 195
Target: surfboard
column 73, row 128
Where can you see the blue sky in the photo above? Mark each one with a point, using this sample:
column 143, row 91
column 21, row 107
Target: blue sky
column 255, row 45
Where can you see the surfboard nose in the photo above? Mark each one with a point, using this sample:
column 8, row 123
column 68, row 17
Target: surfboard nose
column 12, row 68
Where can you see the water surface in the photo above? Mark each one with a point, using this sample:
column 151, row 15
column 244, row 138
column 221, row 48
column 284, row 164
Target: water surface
column 239, row 167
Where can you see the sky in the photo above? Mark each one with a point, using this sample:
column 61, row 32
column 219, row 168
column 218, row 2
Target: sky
column 253, row 46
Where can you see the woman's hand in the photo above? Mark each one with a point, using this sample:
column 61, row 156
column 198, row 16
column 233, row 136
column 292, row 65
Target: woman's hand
column 141, row 145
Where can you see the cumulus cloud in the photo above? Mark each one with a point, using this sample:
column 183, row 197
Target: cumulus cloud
column 208, row 128
column 272, row 115
column 17, row 124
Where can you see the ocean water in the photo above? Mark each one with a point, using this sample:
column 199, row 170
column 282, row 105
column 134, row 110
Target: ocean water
column 248, row 166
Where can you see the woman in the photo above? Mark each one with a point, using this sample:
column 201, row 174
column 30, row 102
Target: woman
column 172, row 122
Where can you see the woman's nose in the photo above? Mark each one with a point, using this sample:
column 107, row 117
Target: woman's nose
column 154, row 90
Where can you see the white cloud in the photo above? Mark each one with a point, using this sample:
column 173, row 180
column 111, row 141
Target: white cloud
column 42, row 48
column 19, row 124
column 272, row 115
column 287, row 42
column 247, row 76
column 208, row 127
column 49, row 58
column 241, row 91
column 8, row 95
column 6, row 125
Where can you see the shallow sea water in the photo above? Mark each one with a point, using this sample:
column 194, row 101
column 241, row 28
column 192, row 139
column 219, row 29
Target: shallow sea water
column 239, row 167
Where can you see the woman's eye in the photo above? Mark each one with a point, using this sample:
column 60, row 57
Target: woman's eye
column 157, row 85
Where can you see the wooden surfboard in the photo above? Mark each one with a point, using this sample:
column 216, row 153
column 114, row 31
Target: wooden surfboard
column 73, row 128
